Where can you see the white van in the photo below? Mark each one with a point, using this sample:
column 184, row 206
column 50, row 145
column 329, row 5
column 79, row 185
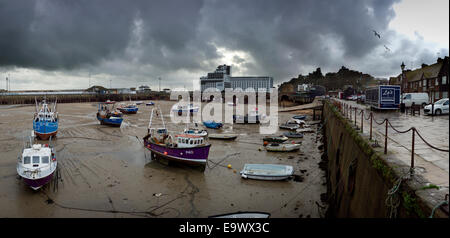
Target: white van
column 417, row 98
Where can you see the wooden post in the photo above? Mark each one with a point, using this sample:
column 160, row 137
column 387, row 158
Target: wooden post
column 362, row 120
column 371, row 115
column 385, row 138
column 412, row 148
column 355, row 116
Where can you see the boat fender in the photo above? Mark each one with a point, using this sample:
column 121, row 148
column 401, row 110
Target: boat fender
column 165, row 152
column 229, row 166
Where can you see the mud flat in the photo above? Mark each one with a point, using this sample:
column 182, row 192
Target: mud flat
column 106, row 172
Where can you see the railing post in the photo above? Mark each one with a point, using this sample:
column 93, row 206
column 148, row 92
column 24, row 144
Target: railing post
column 355, row 116
column 385, row 137
column 362, row 120
column 412, row 149
column 371, row 116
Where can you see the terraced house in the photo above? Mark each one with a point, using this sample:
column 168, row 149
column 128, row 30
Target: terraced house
column 432, row 79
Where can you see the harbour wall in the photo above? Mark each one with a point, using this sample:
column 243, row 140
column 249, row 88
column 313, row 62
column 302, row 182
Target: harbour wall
column 76, row 98
column 359, row 179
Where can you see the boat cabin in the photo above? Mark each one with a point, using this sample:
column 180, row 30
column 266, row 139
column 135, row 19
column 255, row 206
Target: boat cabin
column 37, row 156
column 186, row 141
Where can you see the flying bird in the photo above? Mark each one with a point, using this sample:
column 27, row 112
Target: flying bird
column 376, row 34
column 387, row 48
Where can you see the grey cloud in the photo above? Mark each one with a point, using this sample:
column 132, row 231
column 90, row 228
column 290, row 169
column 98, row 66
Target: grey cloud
column 149, row 38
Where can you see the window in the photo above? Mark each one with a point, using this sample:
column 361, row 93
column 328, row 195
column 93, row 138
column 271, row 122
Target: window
column 190, row 142
column 436, row 82
column 436, row 95
column 35, row 159
column 445, row 94
column 446, row 103
column 444, row 79
column 26, row 160
column 45, row 159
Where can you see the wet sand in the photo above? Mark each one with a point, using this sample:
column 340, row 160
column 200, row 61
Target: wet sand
column 106, row 171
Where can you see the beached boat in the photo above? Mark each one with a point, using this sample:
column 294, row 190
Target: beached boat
column 45, row 121
column 282, row 147
column 36, row 165
column 296, row 121
column 150, row 104
column 107, row 115
column 184, row 108
column 139, row 102
column 223, row 136
column 130, row 108
column 243, row 215
column 195, row 132
column 212, row 124
column 299, row 117
column 289, row 126
column 277, row 139
column 188, row 149
column 110, row 102
column 293, row 134
column 267, row 171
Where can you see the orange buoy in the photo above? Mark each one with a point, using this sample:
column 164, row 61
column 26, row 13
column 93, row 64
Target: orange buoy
column 229, row 166
column 266, row 143
column 165, row 152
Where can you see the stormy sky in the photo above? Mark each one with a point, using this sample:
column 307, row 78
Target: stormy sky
column 62, row 44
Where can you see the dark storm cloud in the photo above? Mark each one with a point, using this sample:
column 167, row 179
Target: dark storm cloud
column 282, row 37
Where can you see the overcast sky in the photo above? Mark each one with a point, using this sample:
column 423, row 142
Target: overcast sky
column 57, row 44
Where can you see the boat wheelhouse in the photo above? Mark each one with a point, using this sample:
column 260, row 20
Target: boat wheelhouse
column 45, row 121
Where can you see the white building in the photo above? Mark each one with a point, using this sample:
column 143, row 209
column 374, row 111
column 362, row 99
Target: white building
column 221, row 78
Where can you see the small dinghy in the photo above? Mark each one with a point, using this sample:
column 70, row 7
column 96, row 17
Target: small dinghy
column 223, row 136
column 299, row 117
column 212, row 124
column 277, row 139
column 150, row 104
column 37, row 164
column 139, row 102
column 293, row 134
column 284, row 147
column 243, row 215
column 289, row 126
column 304, row 130
column 267, row 171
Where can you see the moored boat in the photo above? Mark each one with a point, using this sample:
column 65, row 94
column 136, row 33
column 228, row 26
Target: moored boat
column 37, row 165
column 107, row 115
column 45, row 121
column 267, row 171
column 282, row 147
column 188, row 149
column 130, row 108
column 223, row 136
column 299, row 117
column 277, row 139
column 150, row 104
column 139, row 102
column 289, row 126
column 293, row 134
column 195, row 132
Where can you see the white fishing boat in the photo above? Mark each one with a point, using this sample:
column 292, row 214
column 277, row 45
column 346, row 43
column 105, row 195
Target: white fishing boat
column 283, row 147
column 223, row 136
column 36, row 165
column 267, row 171
column 195, row 132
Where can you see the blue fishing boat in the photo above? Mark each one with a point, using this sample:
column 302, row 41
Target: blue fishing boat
column 212, row 124
column 130, row 108
column 108, row 116
column 45, row 121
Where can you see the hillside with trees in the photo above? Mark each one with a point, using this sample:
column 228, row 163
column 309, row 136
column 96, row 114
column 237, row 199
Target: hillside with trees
column 331, row 81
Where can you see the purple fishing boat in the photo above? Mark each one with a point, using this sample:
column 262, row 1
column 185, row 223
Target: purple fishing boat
column 37, row 165
column 183, row 148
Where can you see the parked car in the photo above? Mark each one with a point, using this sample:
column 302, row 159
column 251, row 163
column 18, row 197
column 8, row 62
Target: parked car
column 440, row 107
column 417, row 98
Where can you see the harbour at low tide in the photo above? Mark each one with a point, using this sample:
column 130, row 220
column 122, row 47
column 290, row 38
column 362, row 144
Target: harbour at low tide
column 106, row 171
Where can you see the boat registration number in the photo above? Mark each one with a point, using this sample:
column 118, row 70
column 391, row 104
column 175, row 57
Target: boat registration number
column 189, row 152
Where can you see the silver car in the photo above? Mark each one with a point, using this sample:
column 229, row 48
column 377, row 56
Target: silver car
column 440, row 107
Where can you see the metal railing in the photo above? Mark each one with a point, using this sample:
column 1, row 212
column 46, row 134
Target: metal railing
column 346, row 110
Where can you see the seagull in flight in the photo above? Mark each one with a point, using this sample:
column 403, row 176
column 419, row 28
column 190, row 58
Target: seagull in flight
column 376, row 34
column 387, row 48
